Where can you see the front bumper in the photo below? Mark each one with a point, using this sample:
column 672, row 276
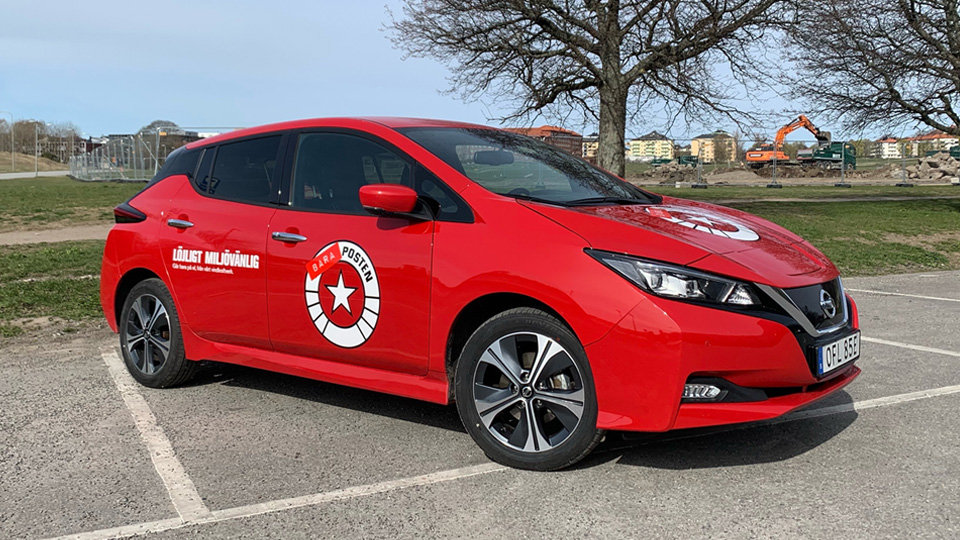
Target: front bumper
column 641, row 365
column 692, row 415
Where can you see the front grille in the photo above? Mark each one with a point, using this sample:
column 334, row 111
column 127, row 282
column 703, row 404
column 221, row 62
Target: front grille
column 808, row 301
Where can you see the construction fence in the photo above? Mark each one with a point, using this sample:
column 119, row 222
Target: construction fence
column 710, row 160
column 124, row 158
column 728, row 161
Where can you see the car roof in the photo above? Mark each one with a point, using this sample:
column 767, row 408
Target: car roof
column 386, row 121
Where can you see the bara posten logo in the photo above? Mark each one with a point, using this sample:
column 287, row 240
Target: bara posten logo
column 343, row 294
column 704, row 221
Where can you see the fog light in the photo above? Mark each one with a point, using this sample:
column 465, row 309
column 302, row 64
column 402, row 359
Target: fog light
column 700, row 391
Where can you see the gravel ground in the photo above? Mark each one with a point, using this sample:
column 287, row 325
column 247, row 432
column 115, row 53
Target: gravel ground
column 880, row 460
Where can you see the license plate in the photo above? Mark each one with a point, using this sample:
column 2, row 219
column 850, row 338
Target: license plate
column 840, row 352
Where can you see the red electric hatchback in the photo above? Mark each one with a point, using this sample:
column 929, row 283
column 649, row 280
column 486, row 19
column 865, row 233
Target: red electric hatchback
column 454, row 262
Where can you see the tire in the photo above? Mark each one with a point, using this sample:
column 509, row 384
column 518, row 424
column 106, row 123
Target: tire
column 150, row 338
column 524, row 364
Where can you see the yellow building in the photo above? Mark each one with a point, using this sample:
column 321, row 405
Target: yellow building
column 590, row 146
column 716, row 146
column 652, row 145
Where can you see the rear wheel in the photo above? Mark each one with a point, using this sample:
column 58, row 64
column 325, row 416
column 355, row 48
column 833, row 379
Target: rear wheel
column 525, row 391
column 150, row 338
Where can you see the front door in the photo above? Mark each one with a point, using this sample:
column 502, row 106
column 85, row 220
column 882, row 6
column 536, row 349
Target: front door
column 345, row 285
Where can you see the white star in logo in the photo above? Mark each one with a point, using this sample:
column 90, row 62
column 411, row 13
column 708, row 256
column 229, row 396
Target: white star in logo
column 341, row 294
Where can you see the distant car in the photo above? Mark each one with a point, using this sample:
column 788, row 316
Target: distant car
column 453, row 262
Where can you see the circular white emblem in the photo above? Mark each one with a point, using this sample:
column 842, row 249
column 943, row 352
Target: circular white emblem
column 827, row 304
column 343, row 294
column 704, row 221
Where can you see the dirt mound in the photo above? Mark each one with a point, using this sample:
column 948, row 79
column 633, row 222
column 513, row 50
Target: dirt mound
column 732, row 176
column 669, row 173
column 25, row 163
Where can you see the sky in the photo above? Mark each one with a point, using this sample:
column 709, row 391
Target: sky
column 113, row 66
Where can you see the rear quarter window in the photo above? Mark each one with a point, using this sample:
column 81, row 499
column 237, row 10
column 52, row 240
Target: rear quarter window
column 180, row 161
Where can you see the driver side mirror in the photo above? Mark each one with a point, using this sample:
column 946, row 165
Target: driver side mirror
column 388, row 199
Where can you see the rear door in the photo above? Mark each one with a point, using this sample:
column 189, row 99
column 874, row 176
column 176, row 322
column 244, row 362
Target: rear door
column 345, row 285
column 214, row 241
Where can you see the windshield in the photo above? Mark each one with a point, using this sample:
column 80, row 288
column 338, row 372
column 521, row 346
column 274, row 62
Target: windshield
column 517, row 166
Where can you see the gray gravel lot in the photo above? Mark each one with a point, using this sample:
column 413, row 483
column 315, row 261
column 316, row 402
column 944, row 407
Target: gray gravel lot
column 368, row 465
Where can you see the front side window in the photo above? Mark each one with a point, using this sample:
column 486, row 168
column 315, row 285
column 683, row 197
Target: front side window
column 330, row 168
column 513, row 165
column 245, row 171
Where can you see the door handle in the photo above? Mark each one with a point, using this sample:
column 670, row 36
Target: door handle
column 179, row 223
column 288, row 237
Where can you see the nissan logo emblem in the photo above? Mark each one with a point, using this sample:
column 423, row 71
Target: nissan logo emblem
column 827, row 304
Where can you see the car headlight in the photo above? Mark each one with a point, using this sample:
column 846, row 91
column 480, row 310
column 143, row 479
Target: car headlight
column 679, row 282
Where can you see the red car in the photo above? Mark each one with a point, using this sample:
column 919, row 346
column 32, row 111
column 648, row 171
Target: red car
column 454, row 262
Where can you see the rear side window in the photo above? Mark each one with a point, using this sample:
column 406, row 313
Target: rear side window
column 202, row 176
column 180, row 161
column 245, row 171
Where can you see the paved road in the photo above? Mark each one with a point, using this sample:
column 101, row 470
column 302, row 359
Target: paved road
column 10, row 176
column 244, row 453
column 97, row 231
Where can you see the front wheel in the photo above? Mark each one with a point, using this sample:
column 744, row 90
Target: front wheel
column 525, row 392
column 150, row 338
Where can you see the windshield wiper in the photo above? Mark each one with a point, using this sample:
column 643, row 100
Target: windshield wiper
column 589, row 201
column 536, row 199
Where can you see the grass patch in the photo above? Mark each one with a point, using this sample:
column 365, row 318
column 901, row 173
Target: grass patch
column 57, row 290
column 66, row 298
column 803, row 192
column 61, row 259
column 855, row 235
column 59, row 201
column 8, row 331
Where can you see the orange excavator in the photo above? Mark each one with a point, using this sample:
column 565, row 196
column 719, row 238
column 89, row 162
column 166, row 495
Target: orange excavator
column 764, row 155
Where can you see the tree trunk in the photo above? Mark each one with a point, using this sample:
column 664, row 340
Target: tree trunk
column 613, row 92
column 613, row 126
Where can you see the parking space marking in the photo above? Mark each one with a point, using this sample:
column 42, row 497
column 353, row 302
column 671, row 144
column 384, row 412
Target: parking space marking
column 287, row 504
column 127, row 531
column 183, row 494
column 885, row 293
column 868, row 404
column 356, row 492
column 909, row 346
column 367, row 490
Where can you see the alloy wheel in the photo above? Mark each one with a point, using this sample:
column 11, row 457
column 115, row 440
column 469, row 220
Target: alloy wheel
column 147, row 335
column 528, row 392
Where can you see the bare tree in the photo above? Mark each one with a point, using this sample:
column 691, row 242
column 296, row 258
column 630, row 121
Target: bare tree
column 595, row 56
column 880, row 64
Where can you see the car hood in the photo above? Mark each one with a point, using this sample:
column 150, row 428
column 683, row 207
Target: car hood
column 700, row 235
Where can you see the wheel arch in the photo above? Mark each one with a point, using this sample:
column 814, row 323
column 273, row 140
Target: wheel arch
column 126, row 284
column 481, row 309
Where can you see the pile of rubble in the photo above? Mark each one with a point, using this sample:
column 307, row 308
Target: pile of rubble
column 940, row 167
column 669, row 173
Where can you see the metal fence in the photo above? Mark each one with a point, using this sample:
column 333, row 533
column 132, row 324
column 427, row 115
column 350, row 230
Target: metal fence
column 131, row 158
column 726, row 160
column 713, row 160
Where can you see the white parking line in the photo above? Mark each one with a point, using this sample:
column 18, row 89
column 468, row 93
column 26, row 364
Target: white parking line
column 183, row 494
column 909, row 346
column 885, row 293
column 286, row 504
column 867, row 404
column 176, row 480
